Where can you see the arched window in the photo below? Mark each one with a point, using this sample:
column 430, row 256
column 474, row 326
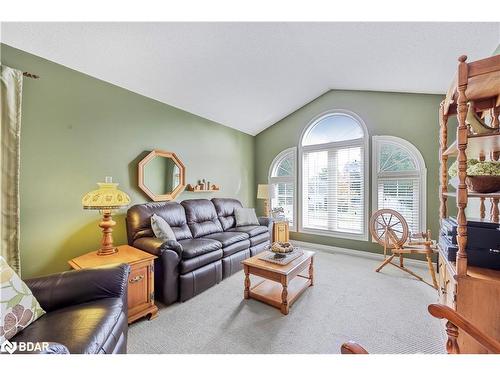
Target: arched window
column 333, row 164
column 282, row 176
column 399, row 180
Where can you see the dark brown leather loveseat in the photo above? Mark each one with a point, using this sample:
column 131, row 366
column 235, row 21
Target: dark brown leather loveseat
column 208, row 246
column 86, row 312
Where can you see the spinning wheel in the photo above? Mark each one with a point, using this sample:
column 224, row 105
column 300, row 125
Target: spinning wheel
column 389, row 228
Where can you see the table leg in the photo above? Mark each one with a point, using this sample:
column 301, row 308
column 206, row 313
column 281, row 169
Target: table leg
column 284, row 295
column 311, row 271
column 247, row 283
column 431, row 270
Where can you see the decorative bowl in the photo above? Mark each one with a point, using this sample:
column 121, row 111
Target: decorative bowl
column 483, row 184
column 282, row 247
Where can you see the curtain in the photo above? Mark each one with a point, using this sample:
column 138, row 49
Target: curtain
column 11, row 86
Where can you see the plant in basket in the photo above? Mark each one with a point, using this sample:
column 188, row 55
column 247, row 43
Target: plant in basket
column 482, row 176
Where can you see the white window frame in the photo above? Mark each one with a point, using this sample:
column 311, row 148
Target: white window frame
column 364, row 144
column 421, row 174
column 273, row 180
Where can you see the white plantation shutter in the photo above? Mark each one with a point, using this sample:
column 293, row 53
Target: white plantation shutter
column 333, row 189
column 402, row 195
column 399, row 180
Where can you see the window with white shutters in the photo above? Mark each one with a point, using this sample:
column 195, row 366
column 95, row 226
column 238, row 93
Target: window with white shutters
column 399, row 180
column 282, row 177
column 333, row 177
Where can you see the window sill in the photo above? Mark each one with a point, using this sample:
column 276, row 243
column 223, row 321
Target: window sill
column 329, row 233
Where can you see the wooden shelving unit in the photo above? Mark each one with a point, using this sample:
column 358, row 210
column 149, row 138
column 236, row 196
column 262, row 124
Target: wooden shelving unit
column 472, row 291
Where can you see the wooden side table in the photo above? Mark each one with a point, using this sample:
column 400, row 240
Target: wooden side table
column 281, row 231
column 140, row 281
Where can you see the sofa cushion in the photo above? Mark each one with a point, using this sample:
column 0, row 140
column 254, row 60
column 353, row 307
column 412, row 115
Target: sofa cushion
column 225, row 211
column 255, row 240
column 188, row 265
column 161, row 229
column 235, row 247
column 139, row 220
column 228, row 238
column 195, row 247
column 252, row 230
column 82, row 328
column 201, row 217
column 245, row 217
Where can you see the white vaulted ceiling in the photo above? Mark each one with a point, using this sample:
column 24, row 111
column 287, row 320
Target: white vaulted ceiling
column 250, row 75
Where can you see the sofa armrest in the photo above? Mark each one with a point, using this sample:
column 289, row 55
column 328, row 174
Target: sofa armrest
column 166, row 266
column 155, row 246
column 265, row 221
column 75, row 287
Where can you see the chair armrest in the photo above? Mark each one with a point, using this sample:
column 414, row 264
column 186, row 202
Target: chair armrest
column 352, row 347
column 155, row 246
column 75, row 287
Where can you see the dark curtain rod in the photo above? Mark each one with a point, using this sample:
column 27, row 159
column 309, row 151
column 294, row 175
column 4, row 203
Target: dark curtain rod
column 30, row 75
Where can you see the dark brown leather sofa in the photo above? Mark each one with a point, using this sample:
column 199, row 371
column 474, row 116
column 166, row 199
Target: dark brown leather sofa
column 86, row 311
column 208, row 246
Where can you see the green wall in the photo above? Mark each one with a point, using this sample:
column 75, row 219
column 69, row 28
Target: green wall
column 413, row 117
column 77, row 129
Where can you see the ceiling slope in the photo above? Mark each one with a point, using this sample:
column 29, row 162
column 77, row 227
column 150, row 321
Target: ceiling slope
column 250, row 75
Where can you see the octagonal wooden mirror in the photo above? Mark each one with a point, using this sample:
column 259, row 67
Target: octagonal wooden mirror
column 161, row 175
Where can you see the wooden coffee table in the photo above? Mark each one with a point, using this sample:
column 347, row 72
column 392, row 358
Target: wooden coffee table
column 283, row 284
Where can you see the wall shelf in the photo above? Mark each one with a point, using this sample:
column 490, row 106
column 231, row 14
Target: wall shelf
column 198, row 189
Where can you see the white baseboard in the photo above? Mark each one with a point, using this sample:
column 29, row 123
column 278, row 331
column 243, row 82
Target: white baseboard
column 352, row 252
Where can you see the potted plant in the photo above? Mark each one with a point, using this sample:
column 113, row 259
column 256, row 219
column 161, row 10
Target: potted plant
column 482, row 176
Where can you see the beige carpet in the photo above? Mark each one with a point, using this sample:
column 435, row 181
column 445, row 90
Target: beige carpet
column 385, row 312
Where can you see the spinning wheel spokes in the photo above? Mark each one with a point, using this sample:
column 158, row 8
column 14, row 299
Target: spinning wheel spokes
column 389, row 228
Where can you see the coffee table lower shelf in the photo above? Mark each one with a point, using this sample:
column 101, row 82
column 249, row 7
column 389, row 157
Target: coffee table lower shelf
column 271, row 292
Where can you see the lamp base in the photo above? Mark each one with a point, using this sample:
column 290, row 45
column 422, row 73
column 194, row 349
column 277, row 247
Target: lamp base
column 103, row 252
column 107, row 225
column 266, row 208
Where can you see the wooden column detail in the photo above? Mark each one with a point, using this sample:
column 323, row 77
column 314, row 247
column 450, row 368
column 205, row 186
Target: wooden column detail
column 246, row 293
column 494, row 201
column 495, row 112
column 462, row 167
column 482, row 208
column 494, row 210
column 452, row 343
column 443, row 170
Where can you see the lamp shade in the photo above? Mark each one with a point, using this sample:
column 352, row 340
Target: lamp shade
column 107, row 197
column 262, row 191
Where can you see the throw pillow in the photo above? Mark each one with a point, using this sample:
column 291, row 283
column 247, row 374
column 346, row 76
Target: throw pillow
column 161, row 229
column 245, row 216
column 19, row 307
